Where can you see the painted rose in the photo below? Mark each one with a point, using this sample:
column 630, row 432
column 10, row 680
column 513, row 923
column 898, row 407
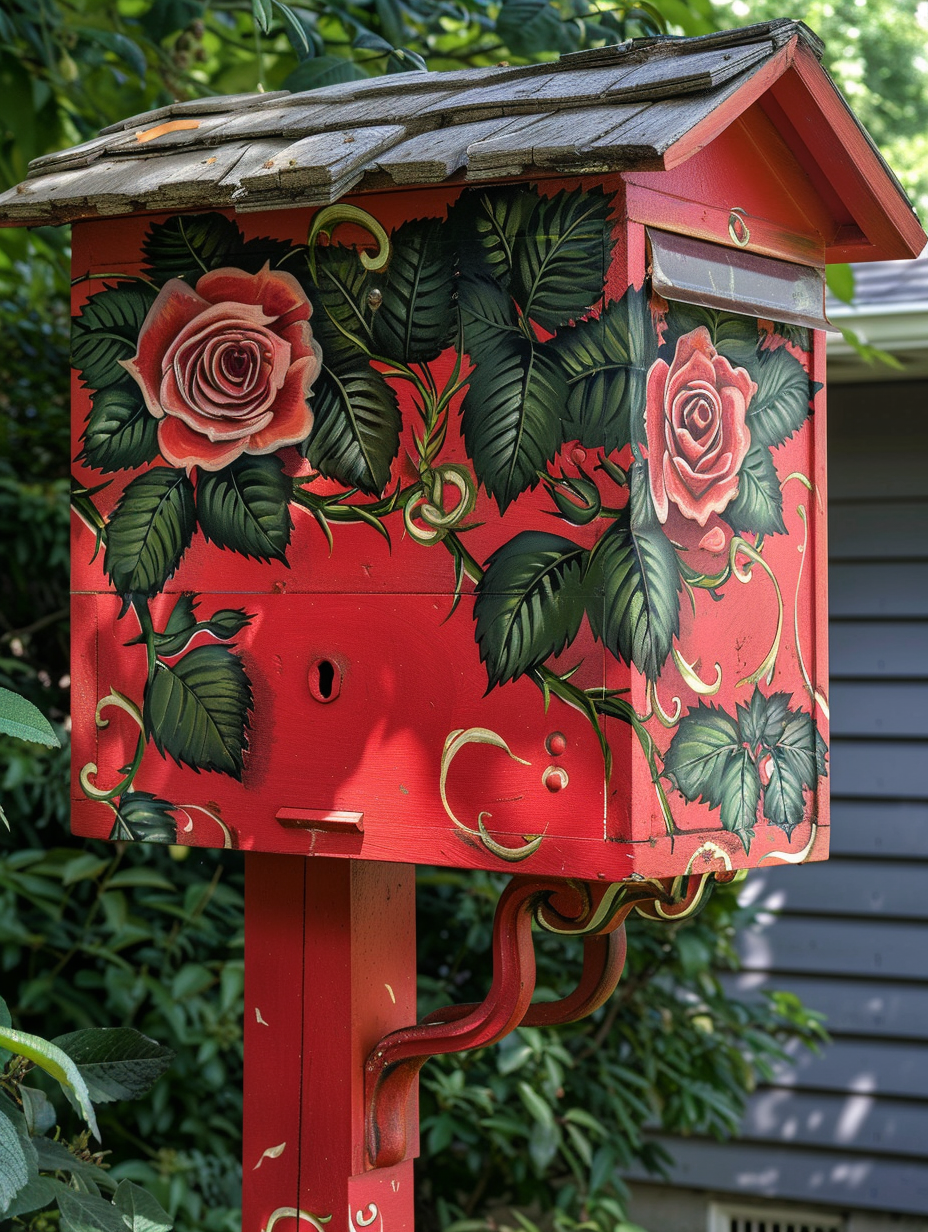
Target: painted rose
column 227, row 366
column 696, row 429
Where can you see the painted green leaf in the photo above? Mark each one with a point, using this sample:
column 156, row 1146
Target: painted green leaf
column 763, row 719
column 356, row 433
column 20, row 718
column 510, row 415
column 530, row 602
column 606, row 360
column 86, row 1212
column 734, row 336
column 245, row 507
column 560, row 260
column 341, row 314
column 416, row 318
column 758, row 507
column 530, row 26
column 56, row 1063
column 486, row 309
column 182, row 626
column 781, row 405
column 18, row 1163
column 634, row 581
column 149, row 531
column 121, row 433
column 115, row 1062
column 197, row 710
column 798, row 761
column 491, row 221
column 144, row 818
column 706, row 760
column 141, row 1210
column 189, row 245
column 107, row 331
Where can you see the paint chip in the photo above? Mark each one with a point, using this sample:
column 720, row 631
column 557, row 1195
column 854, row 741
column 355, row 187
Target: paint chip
column 258, row 1018
column 272, row 1152
column 390, row 991
column 172, row 126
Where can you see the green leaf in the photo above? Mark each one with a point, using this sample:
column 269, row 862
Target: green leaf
column 606, row 360
column 197, row 710
column 141, row 1211
column 55, row 1157
column 296, row 34
column 707, row 760
column 529, row 604
column 798, row 761
column 538, row 1107
column 490, row 222
column 262, row 13
column 149, row 531
column 763, row 719
column 634, row 580
column 107, row 330
column 561, row 258
column 18, row 1164
column 40, row 1192
column 781, row 405
column 415, row 321
column 19, row 718
column 840, row 280
column 356, row 434
column 143, row 818
column 733, row 335
column 342, row 316
column 245, row 507
column 486, row 309
column 528, row 27
column 121, row 432
column 322, row 71
column 188, row 245
column 85, row 1212
column 38, row 1110
column 56, row 1063
column 758, row 507
column 115, row 1062
column 510, row 415
column 182, row 626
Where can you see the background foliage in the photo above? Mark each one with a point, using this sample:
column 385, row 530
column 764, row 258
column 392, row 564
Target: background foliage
column 127, row 936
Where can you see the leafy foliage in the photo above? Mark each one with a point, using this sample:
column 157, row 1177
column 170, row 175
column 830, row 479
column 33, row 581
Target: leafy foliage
column 197, row 710
column 143, row 817
column 106, row 331
column 121, row 433
column 530, row 603
column 634, row 580
column 244, row 507
column 416, row 318
column 781, row 405
column 356, row 434
column 758, row 507
column 150, row 530
column 186, row 246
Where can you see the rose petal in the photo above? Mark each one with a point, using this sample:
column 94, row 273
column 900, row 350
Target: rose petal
column 217, row 319
column 713, row 540
column 740, row 378
column 278, row 293
column 216, row 426
column 292, row 418
column 181, row 446
column 175, row 306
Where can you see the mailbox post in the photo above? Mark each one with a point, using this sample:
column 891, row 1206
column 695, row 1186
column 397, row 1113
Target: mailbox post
column 450, row 489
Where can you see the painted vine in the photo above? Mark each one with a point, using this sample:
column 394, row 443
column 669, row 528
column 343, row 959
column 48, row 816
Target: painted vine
column 226, row 351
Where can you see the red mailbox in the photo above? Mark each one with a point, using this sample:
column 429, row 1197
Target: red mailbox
column 450, row 481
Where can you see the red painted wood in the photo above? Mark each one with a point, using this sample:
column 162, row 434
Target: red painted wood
column 330, row 968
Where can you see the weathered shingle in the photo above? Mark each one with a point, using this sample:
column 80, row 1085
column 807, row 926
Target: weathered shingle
column 610, row 108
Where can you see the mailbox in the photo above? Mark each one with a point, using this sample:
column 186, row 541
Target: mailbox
column 450, row 481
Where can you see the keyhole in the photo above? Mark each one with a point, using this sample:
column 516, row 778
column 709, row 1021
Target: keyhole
column 325, row 680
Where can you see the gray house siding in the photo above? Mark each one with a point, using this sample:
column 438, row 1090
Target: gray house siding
column 849, row 1127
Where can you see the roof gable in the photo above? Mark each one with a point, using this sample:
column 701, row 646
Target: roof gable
column 646, row 105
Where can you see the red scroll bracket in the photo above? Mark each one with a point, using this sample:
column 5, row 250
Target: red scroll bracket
column 592, row 911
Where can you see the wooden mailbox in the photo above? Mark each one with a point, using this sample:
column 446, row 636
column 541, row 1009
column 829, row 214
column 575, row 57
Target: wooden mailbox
column 450, row 481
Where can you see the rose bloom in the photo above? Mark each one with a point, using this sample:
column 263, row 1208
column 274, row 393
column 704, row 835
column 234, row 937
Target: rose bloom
column 696, row 430
column 227, row 366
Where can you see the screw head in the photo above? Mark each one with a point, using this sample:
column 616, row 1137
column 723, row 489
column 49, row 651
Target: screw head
column 555, row 779
column 578, row 455
column 556, row 744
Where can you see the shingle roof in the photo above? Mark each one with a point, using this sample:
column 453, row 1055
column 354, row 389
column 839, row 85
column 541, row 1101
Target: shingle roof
column 609, row 109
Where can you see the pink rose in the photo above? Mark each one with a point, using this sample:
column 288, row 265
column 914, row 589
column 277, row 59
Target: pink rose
column 227, row 367
column 696, row 428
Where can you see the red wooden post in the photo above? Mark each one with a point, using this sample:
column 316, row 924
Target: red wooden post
column 330, row 969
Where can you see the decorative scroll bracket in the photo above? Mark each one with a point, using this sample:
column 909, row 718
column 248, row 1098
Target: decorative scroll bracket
column 592, row 911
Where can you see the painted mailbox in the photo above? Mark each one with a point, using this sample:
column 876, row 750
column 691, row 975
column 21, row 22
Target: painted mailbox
column 450, row 489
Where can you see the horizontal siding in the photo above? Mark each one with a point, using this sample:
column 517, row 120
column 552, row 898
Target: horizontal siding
column 880, row 769
column 850, row 1007
column 891, row 530
column 864, row 650
column 871, row 949
column 878, row 708
column 855, row 1121
column 845, row 887
column 846, row 1179
column 863, row 1067
column 872, row 588
column 885, row 829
